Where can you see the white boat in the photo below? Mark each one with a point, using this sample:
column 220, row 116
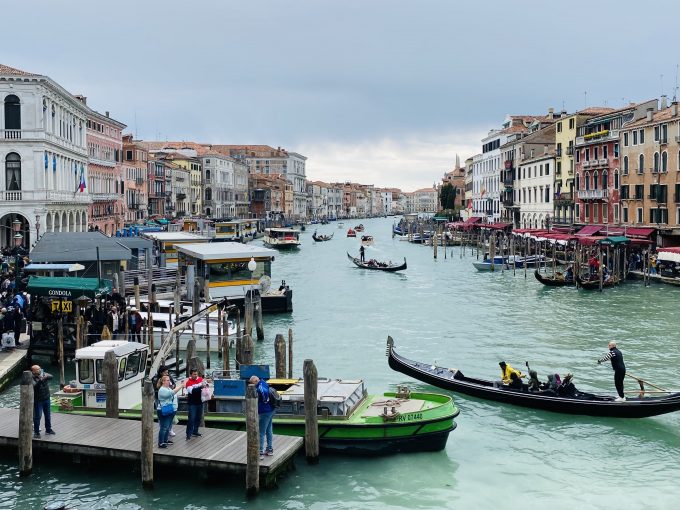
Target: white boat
column 282, row 238
column 367, row 241
column 499, row 263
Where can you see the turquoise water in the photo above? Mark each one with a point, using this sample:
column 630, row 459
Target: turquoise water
column 441, row 310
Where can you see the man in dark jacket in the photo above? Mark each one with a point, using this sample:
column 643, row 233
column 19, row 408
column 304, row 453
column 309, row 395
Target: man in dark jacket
column 265, row 410
column 41, row 401
column 614, row 355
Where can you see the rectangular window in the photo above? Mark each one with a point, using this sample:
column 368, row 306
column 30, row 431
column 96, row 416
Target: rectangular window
column 128, row 155
column 642, row 136
column 596, row 153
column 605, row 213
column 656, row 133
column 577, row 210
column 635, row 137
column 625, row 139
column 605, row 152
column 652, row 191
column 639, row 215
column 559, row 127
column 587, row 154
column 664, row 133
column 624, row 191
column 578, row 156
column 547, row 194
column 625, row 215
column 558, row 170
column 571, row 123
column 587, row 212
column 616, row 212
column 639, row 191
column 547, row 169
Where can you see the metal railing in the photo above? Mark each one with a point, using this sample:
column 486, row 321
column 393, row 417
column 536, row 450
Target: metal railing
column 593, row 194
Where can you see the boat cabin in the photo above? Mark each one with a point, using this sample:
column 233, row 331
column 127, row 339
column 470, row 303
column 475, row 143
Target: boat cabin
column 225, row 266
column 280, row 237
column 54, row 269
column 131, row 362
column 164, row 243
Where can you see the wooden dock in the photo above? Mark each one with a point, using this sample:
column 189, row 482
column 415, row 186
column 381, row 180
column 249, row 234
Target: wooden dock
column 13, row 362
column 217, row 451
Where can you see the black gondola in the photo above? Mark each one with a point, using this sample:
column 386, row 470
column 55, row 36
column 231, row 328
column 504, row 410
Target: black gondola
column 321, row 239
column 595, row 284
column 386, row 267
column 583, row 403
column 552, row 281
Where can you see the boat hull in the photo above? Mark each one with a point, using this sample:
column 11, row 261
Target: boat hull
column 551, row 282
column 603, row 406
column 389, row 269
column 427, row 431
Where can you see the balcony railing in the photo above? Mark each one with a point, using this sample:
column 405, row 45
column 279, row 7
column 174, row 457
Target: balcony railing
column 598, row 137
column 592, row 194
column 586, row 164
column 564, row 197
column 139, row 181
column 604, row 162
column 104, row 197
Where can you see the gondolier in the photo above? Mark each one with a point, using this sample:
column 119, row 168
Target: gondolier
column 362, row 250
column 614, row 355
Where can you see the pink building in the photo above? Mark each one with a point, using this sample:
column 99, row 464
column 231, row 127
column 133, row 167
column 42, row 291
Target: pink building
column 105, row 155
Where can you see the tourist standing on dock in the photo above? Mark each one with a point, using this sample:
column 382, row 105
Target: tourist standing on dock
column 157, row 382
column 194, row 385
column 614, row 355
column 166, row 397
column 134, row 325
column 113, row 321
column 41, row 401
column 265, row 410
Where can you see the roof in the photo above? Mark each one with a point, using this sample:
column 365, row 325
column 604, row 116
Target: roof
column 595, row 110
column 68, row 287
column 660, row 116
column 135, row 242
column 175, row 236
column 213, row 251
column 11, row 71
column 58, row 247
column 54, row 267
column 99, row 349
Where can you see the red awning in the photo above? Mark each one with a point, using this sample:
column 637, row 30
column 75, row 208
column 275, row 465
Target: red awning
column 473, row 219
column 589, row 230
column 496, row 226
column 639, row 232
column 673, row 249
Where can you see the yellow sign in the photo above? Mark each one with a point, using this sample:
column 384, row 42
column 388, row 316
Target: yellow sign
column 62, row 306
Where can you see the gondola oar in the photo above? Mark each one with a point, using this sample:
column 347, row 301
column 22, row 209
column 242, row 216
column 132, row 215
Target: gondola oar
column 642, row 383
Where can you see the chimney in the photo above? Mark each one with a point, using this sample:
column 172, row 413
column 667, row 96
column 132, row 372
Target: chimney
column 106, row 113
column 664, row 102
column 674, row 108
column 551, row 113
column 649, row 113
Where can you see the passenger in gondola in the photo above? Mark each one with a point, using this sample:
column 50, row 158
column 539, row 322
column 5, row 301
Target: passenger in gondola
column 507, row 371
column 534, row 383
column 515, row 381
column 567, row 388
column 569, row 274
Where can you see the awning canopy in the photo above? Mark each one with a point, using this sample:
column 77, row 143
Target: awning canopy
column 496, row 226
column 614, row 241
column 589, row 230
column 670, row 254
column 68, row 287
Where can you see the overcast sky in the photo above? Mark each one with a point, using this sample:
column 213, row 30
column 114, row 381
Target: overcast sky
column 382, row 92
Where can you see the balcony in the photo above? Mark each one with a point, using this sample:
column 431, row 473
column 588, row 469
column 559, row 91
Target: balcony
column 585, row 164
column 563, row 198
column 604, row 162
column 139, row 181
column 508, row 183
column 659, row 200
column 104, row 197
column 570, row 150
column 181, row 196
column 593, row 194
column 508, row 203
column 598, row 137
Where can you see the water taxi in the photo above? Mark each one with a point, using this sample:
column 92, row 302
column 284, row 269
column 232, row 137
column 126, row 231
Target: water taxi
column 282, row 238
column 164, row 244
column 350, row 420
column 241, row 231
column 224, row 267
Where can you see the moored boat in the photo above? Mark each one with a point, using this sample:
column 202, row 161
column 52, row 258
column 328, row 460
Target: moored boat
column 556, row 280
column 380, row 266
column 578, row 403
column 594, row 284
column 350, row 420
column 499, row 263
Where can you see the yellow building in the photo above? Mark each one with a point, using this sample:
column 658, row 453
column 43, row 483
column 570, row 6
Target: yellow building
column 195, row 197
column 565, row 137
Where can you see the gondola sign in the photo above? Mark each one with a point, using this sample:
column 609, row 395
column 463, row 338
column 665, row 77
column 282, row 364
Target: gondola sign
column 62, row 306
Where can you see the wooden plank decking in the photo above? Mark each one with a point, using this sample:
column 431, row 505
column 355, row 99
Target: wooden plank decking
column 88, row 436
column 12, row 362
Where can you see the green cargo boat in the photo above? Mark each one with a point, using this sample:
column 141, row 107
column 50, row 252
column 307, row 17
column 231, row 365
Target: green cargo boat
column 350, row 420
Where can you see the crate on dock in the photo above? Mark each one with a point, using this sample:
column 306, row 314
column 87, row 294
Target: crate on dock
column 229, row 387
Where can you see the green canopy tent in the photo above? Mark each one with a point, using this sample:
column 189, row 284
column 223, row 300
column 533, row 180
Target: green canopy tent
column 68, row 287
column 614, row 241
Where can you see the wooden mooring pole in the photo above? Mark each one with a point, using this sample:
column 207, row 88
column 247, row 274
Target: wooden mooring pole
column 311, row 419
column 60, row 340
column 110, row 377
column 147, row 435
column 252, row 442
column 280, row 356
column 290, row 353
column 26, row 424
column 225, row 342
column 259, row 326
column 138, row 300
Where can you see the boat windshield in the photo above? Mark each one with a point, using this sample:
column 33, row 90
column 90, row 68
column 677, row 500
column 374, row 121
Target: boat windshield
column 238, row 271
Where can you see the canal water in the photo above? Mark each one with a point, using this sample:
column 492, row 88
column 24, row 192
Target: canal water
column 441, row 311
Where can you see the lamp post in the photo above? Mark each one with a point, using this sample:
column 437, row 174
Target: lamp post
column 252, row 265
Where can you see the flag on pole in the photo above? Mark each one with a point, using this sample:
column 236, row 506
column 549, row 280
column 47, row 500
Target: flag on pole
column 82, row 184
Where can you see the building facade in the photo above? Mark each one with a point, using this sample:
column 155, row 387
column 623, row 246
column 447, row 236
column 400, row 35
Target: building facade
column 135, row 173
column 43, row 148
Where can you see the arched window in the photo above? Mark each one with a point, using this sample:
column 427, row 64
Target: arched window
column 664, row 161
column 208, row 194
column 656, row 161
column 13, row 172
column 605, row 182
column 595, row 183
column 586, row 177
column 641, row 164
column 12, row 112
column 207, row 175
column 625, row 165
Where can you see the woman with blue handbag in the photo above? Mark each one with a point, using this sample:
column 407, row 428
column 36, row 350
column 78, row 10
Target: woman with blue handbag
column 167, row 407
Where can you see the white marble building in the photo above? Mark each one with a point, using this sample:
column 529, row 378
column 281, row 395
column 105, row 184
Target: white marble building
column 43, row 148
column 294, row 171
column 534, row 190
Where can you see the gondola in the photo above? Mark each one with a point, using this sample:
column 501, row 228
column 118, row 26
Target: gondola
column 389, row 268
column 551, row 281
column 321, row 239
column 595, row 284
column 583, row 404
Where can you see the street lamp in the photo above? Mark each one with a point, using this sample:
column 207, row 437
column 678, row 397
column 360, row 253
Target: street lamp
column 252, row 265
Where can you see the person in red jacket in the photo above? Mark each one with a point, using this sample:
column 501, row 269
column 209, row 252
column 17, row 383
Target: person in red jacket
column 194, row 385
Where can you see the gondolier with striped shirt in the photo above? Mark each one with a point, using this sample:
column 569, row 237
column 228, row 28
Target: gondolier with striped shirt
column 614, row 355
